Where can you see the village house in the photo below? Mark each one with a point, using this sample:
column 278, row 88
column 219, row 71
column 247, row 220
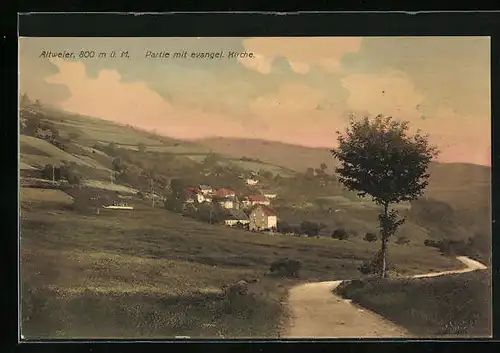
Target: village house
column 269, row 194
column 252, row 181
column 262, row 218
column 253, row 200
column 232, row 217
column 194, row 194
column 223, row 192
column 206, row 189
column 227, row 202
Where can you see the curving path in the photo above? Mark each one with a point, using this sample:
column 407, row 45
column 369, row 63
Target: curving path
column 317, row 313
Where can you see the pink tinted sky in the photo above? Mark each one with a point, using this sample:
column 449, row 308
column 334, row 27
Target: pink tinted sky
column 296, row 90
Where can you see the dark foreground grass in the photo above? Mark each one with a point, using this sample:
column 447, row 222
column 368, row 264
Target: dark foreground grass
column 56, row 313
column 152, row 273
column 444, row 306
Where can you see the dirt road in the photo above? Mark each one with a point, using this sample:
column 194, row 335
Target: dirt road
column 317, row 313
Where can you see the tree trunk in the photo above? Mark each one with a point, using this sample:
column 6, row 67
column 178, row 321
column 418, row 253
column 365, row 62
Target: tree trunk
column 384, row 233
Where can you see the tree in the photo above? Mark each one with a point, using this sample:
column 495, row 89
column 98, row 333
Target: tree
column 370, row 237
column 380, row 158
column 284, row 227
column 211, row 159
column 340, row 234
column 50, row 171
column 141, row 148
column 323, row 167
column 118, row 165
column 24, row 101
column 310, row 228
column 111, row 149
column 175, row 200
column 309, row 173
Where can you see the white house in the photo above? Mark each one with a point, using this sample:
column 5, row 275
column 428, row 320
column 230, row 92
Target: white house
column 253, row 200
column 194, row 194
column 206, row 189
column 251, row 181
column 262, row 218
column 223, row 192
column 234, row 217
column 269, row 194
column 227, row 203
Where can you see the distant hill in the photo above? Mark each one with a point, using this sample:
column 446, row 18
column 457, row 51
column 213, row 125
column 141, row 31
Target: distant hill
column 464, row 186
column 294, row 157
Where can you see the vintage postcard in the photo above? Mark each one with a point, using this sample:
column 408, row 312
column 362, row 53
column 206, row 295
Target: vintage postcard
column 285, row 187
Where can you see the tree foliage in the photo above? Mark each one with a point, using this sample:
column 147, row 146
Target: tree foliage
column 141, row 148
column 380, row 157
column 24, row 100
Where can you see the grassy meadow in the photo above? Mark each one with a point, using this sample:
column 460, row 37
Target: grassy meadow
column 437, row 307
column 153, row 273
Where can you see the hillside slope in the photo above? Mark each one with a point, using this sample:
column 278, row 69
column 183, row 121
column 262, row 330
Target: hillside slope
column 295, row 157
column 446, row 178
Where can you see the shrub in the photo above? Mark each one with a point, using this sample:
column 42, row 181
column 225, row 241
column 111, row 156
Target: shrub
column 430, row 243
column 370, row 237
column 402, row 240
column 286, row 267
column 340, row 234
column 74, row 179
column 310, row 228
column 236, row 289
column 284, row 227
column 374, row 266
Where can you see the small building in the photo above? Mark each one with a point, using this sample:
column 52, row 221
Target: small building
column 253, row 200
column 233, row 217
column 223, row 192
column 206, row 189
column 194, row 195
column 226, row 202
column 269, row 194
column 251, row 181
column 262, row 218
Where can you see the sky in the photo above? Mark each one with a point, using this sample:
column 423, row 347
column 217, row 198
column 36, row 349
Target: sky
column 297, row 90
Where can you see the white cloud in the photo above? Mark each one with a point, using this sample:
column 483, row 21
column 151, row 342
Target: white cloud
column 301, row 52
column 135, row 103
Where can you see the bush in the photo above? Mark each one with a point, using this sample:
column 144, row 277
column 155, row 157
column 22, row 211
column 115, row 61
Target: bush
column 286, row 267
column 370, row 237
column 374, row 266
column 310, row 228
column 235, row 289
column 402, row 240
column 284, row 227
column 340, row 234
column 430, row 243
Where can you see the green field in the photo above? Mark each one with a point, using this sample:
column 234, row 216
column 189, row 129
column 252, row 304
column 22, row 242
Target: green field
column 152, row 273
column 108, row 186
column 29, row 195
column 444, row 306
column 40, row 153
column 128, row 273
column 25, row 166
column 257, row 166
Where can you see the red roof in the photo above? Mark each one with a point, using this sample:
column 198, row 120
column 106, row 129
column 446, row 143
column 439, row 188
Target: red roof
column 267, row 211
column 257, row 198
column 222, row 192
